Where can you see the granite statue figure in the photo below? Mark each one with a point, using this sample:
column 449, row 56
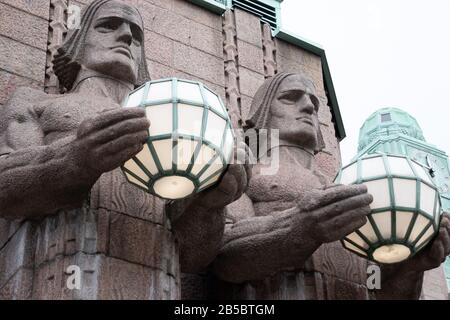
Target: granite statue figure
column 59, row 177
column 274, row 229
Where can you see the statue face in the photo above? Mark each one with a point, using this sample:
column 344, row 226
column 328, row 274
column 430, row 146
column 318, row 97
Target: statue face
column 114, row 40
column 294, row 112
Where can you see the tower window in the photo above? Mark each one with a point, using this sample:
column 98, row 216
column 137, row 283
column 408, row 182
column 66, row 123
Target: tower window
column 385, row 117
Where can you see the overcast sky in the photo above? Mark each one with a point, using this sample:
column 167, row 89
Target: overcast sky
column 382, row 53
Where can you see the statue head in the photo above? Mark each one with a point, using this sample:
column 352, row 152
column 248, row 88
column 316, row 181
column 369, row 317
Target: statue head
column 288, row 102
column 110, row 41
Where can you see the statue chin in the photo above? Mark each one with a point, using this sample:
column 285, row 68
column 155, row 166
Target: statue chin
column 117, row 69
column 302, row 139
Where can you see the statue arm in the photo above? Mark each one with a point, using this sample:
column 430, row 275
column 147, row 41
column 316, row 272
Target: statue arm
column 198, row 222
column 199, row 232
column 255, row 247
column 38, row 179
column 35, row 179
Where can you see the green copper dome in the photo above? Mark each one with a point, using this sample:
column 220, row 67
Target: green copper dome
column 387, row 122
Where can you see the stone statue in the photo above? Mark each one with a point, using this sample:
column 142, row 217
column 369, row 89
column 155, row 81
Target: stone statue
column 273, row 230
column 71, row 205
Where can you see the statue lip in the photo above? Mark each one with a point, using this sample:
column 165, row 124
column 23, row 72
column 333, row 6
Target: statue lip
column 307, row 120
column 124, row 50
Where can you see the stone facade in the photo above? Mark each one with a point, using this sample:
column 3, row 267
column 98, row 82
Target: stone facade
column 232, row 55
column 23, row 45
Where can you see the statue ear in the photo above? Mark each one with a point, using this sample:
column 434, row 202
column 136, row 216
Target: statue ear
column 320, row 142
column 143, row 74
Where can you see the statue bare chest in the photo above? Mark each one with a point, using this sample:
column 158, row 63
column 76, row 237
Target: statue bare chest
column 271, row 193
column 60, row 117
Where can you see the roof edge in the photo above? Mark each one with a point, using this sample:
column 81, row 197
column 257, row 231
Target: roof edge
column 211, row 5
column 429, row 148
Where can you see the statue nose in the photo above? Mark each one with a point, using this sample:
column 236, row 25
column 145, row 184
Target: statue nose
column 125, row 34
column 306, row 105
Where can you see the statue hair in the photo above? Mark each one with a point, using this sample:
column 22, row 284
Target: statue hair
column 66, row 64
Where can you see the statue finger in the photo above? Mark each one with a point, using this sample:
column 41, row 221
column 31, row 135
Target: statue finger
column 110, row 163
column 109, row 118
column 344, row 207
column 441, row 253
column 445, row 221
column 329, row 186
column 119, row 145
column 337, row 193
column 437, row 250
column 225, row 191
column 447, row 228
column 120, row 129
column 240, row 229
column 444, row 235
column 240, row 175
column 337, row 229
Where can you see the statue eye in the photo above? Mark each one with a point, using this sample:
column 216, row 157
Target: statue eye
column 137, row 35
column 315, row 102
column 290, row 97
column 109, row 25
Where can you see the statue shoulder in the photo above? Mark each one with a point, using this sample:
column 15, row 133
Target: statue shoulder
column 27, row 94
column 22, row 102
column 29, row 102
column 18, row 125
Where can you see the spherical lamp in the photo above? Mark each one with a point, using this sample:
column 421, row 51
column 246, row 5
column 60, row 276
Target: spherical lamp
column 190, row 139
column 406, row 210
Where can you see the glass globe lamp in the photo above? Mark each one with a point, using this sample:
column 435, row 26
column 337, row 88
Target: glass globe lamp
column 190, row 139
column 406, row 210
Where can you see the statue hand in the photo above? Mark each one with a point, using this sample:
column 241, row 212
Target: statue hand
column 107, row 141
column 330, row 214
column 431, row 256
column 233, row 183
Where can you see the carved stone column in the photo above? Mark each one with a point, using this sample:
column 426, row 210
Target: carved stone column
column 233, row 96
column 57, row 30
column 269, row 50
